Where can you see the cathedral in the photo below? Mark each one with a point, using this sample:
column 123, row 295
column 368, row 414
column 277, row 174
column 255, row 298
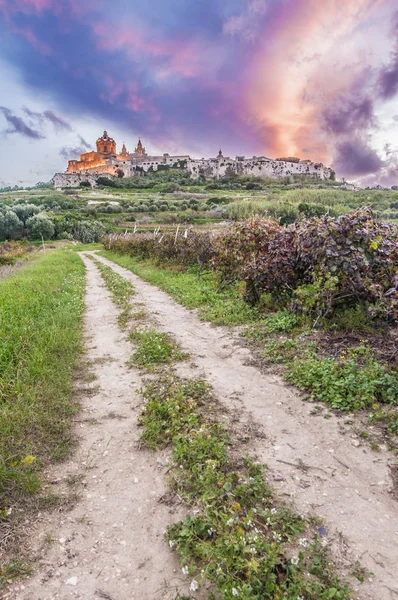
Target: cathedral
column 106, row 159
column 107, row 162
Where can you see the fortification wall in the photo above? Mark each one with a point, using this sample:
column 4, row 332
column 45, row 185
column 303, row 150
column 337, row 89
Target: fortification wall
column 64, row 180
column 258, row 167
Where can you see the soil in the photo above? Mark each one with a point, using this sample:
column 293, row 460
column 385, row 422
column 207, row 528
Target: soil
column 112, row 540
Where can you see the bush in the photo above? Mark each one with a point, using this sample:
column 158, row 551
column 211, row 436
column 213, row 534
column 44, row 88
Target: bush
column 314, row 266
column 25, row 211
column 241, row 244
column 88, row 232
column 40, row 226
column 327, row 262
column 11, row 227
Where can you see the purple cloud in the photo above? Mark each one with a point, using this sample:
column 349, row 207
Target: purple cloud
column 59, row 124
column 351, row 115
column 389, row 80
column 72, row 152
column 18, row 125
column 48, row 116
column 84, row 144
column 356, row 158
column 388, row 75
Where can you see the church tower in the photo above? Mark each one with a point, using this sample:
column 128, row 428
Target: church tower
column 106, row 145
column 124, row 155
column 140, row 148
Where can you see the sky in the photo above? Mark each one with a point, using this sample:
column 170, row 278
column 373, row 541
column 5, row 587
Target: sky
column 316, row 79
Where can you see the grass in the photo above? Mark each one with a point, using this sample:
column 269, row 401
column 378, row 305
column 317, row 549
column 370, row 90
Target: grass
column 153, row 348
column 12, row 570
column 224, row 307
column 240, row 536
column 344, row 384
column 40, row 320
column 120, row 288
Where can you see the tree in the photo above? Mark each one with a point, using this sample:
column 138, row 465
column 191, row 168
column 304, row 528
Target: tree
column 10, row 226
column 25, row 211
column 40, row 226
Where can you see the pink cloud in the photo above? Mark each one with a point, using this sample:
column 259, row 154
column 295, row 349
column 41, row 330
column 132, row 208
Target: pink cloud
column 288, row 90
column 178, row 57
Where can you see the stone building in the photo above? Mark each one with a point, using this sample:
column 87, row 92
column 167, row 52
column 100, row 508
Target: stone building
column 106, row 162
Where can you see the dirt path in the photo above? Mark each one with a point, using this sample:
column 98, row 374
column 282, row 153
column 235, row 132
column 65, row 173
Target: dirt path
column 313, row 460
column 112, row 540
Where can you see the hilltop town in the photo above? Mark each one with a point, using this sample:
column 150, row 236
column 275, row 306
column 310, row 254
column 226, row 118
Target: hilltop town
column 105, row 161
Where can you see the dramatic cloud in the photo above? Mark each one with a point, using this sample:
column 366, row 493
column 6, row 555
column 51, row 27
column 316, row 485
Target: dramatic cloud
column 348, row 115
column 356, row 158
column 83, row 144
column 18, row 125
column 70, row 153
column 389, row 73
column 48, row 116
column 273, row 77
column 59, row 124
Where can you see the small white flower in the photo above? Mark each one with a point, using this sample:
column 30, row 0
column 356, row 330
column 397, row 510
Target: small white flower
column 277, row 537
column 230, row 521
column 185, row 570
column 300, row 597
column 295, row 560
column 235, row 592
column 303, row 542
column 194, row 586
column 273, row 511
column 210, row 531
column 171, row 544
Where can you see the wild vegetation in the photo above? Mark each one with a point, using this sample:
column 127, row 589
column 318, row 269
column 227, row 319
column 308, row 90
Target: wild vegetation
column 322, row 295
column 40, row 320
column 168, row 196
column 239, row 536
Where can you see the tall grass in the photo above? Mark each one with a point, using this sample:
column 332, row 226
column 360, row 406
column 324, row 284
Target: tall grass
column 41, row 306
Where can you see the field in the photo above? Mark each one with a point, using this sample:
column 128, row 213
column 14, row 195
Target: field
column 206, row 406
column 169, row 197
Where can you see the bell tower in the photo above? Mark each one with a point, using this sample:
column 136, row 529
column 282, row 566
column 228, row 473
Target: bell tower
column 140, row 148
column 106, row 145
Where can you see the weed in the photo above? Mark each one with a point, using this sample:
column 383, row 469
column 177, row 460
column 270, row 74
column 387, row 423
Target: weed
column 240, row 537
column 12, row 570
column 153, row 348
column 120, row 288
column 342, row 384
column 140, row 315
column 222, row 307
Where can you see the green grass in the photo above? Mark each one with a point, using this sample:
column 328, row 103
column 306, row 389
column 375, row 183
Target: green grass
column 121, row 290
column 352, row 381
column 41, row 340
column 12, row 570
column 222, row 308
column 78, row 247
column 240, row 536
column 345, row 384
column 153, row 348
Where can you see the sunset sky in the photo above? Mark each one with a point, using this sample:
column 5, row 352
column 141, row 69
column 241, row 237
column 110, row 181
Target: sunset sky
column 311, row 78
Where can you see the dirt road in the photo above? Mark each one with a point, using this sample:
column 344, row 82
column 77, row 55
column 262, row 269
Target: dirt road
column 113, row 539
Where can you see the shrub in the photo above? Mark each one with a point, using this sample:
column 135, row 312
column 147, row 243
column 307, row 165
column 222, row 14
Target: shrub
column 40, row 226
column 88, row 232
column 25, row 211
column 242, row 244
column 10, row 226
